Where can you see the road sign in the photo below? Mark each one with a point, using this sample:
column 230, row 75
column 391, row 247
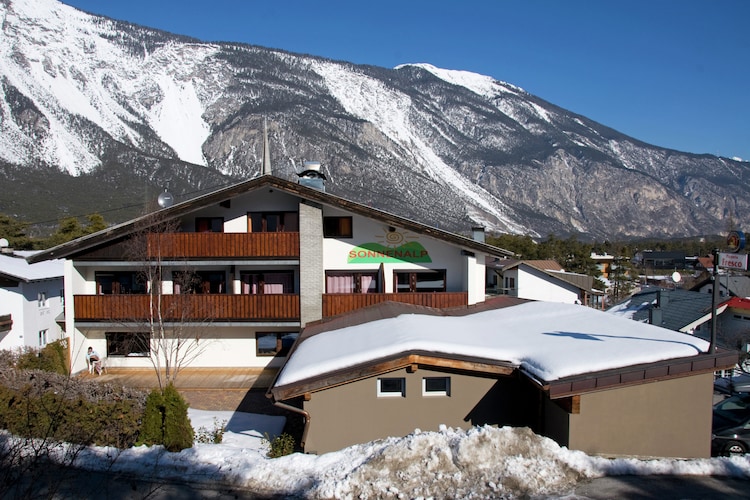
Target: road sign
column 733, row 261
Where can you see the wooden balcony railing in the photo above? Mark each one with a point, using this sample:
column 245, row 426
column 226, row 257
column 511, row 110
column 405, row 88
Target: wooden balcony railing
column 338, row 303
column 223, row 245
column 189, row 307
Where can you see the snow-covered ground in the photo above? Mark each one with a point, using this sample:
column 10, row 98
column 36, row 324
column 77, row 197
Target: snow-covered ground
column 483, row 462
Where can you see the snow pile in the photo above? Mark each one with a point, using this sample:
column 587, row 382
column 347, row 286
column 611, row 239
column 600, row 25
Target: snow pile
column 482, row 462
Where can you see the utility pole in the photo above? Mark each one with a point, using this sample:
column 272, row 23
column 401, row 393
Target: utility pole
column 714, row 302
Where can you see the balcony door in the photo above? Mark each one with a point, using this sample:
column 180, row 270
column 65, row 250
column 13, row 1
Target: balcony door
column 264, row 283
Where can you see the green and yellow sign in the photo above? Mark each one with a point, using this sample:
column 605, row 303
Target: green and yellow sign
column 394, row 249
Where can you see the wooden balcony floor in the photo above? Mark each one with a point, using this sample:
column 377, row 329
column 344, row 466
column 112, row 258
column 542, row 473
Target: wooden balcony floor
column 191, row 378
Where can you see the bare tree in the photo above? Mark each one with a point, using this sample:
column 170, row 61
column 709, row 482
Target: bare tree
column 177, row 323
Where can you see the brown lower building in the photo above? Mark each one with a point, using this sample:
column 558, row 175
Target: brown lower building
column 658, row 408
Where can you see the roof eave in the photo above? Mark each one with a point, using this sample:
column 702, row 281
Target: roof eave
column 125, row 229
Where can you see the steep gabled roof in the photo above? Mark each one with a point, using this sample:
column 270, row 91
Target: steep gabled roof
column 85, row 243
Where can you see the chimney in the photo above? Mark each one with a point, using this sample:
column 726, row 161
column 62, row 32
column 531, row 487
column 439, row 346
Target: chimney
column 655, row 316
column 312, row 177
column 477, row 233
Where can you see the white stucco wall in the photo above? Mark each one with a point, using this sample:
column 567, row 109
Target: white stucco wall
column 536, row 285
column 442, row 255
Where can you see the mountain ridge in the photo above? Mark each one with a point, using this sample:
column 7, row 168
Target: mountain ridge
column 125, row 111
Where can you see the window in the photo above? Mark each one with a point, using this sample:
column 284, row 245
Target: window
column 131, row 344
column 420, row 281
column 42, row 338
column 199, row 282
column 337, row 227
column 209, row 225
column 119, row 282
column 274, row 343
column 509, row 285
column 270, row 282
column 436, row 386
column 41, row 298
column 273, row 222
column 391, row 387
column 346, row 282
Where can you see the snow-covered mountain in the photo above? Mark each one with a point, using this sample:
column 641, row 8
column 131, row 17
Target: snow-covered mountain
column 97, row 114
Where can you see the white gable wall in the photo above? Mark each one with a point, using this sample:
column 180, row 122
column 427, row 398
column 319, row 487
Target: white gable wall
column 28, row 315
column 536, row 285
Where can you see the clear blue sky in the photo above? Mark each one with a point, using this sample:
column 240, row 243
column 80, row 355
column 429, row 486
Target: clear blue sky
column 674, row 73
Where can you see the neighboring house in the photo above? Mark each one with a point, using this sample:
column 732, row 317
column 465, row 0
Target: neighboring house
column 30, row 300
column 253, row 263
column 691, row 312
column 734, row 324
column 539, row 280
column 676, row 309
column 661, row 260
column 592, row 382
column 729, row 285
column 603, row 263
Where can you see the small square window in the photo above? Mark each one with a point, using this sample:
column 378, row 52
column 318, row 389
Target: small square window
column 436, row 386
column 337, row 227
column 391, row 387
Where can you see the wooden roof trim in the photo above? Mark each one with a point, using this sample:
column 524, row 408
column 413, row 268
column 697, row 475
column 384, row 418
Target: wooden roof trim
column 387, row 365
column 639, row 374
column 126, row 228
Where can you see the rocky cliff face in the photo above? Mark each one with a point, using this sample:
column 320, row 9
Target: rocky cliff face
column 97, row 114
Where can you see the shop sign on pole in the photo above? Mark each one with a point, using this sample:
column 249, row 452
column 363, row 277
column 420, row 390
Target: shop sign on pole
column 734, row 261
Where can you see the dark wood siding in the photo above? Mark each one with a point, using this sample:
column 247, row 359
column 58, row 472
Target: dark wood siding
column 339, row 303
column 208, row 307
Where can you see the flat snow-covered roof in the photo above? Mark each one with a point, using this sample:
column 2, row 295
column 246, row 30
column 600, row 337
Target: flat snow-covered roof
column 550, row 341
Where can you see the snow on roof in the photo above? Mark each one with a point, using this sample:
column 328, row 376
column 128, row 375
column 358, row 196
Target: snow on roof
column 16, row 266
column 548, row 340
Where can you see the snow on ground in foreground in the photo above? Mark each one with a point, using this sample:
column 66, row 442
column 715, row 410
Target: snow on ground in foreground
column 482, row 462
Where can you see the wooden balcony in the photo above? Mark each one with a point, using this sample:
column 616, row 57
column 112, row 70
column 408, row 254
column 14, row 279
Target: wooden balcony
column 189, row 307
column 223, row 245
column 339, row 303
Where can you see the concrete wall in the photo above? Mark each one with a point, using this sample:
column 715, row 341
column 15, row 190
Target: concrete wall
column 670, row 418
column 312, row 275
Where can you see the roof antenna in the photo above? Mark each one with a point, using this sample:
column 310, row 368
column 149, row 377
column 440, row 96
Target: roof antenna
column 266, row 152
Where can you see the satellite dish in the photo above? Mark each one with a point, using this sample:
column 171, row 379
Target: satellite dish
column 165, row 199
column 676, row 277
column 4, row 243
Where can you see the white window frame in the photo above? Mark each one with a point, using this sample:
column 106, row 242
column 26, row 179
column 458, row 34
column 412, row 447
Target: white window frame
column 391, row 394
column 444, row 393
